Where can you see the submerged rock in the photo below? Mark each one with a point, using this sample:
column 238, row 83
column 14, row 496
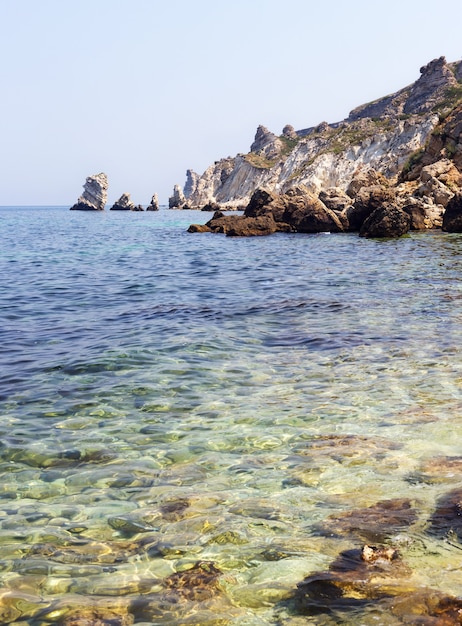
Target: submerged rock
column 374, row 579
column 446, row 520
column 438, row 469
column 355, row 579
column 375, row 523
column 197, row 583
column 94, row 196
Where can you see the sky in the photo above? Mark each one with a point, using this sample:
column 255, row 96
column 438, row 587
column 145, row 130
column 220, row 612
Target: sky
column 145, row 89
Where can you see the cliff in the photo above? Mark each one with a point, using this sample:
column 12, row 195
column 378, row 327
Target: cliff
column 384, row 135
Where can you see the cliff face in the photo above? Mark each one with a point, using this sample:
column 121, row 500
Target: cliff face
column 381, row 135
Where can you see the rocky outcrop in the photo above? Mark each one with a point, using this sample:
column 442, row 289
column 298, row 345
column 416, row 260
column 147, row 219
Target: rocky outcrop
column 177, row 200
column 266, row 143
column 289, row 132
column 434, row 83
column 240, row 225
column 307, row 214
column 381, row 138
column 452, row 219
column 94, row 196
column 386, row 221
column 154, row 204
column 124, row 203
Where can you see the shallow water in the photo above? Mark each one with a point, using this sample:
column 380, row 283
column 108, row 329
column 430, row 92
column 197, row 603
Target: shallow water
column 169, row 398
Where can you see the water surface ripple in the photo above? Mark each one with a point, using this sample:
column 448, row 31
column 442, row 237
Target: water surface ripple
column 170, row 398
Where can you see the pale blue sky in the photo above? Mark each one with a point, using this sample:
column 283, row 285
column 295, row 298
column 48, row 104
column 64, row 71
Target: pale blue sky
column 144, row 89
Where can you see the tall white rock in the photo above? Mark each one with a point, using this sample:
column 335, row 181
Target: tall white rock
column 94, row 196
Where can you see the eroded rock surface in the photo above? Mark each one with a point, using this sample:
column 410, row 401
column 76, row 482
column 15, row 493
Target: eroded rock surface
column 94, row 196
column 124, row 203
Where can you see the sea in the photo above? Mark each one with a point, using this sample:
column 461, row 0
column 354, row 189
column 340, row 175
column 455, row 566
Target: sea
column 192, row 424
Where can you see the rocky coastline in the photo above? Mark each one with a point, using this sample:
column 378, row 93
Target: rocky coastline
column 392, row 166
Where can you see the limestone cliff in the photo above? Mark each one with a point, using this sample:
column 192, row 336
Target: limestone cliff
column 381, row 135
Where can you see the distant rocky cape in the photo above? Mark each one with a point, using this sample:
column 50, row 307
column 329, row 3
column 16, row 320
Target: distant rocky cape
column 394, row 164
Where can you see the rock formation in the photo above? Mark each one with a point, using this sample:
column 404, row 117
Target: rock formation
column 124, row 203
column 94, row 196
column 393, row 165
column 154, row 204
column 266, row 144
column 381, row 136
column 177, row 200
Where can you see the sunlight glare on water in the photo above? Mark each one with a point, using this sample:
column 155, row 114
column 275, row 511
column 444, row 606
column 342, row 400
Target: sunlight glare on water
column 177, row 402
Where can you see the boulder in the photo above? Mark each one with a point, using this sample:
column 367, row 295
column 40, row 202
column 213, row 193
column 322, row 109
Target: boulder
column 264, row 202
column 94, row 196
column 124, row 203
column 367, row 200
column 260, row 203
column 386, row 221
column 250, row 226
column 452, row 218
column 199, row 228
column 154, row 204
column 305, row 213
column 211, row 206
column 335, row 199
column 240, row 225
column 416, row 214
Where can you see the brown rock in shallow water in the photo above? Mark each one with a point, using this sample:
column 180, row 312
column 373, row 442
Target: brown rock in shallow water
column 446, row 520
column 375, row 523
column 240, row 225
column 354, row 580
column 198, row 583
column 438, row 469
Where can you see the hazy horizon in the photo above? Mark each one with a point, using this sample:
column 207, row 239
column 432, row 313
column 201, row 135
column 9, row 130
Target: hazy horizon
column 143, row 91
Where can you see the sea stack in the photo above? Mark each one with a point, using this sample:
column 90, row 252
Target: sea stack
column 154, row 205
column 94, row 196
column 124, row 203
column 177, row 200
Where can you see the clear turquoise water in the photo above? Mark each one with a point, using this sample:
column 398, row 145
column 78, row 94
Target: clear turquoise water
column 159, row 388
